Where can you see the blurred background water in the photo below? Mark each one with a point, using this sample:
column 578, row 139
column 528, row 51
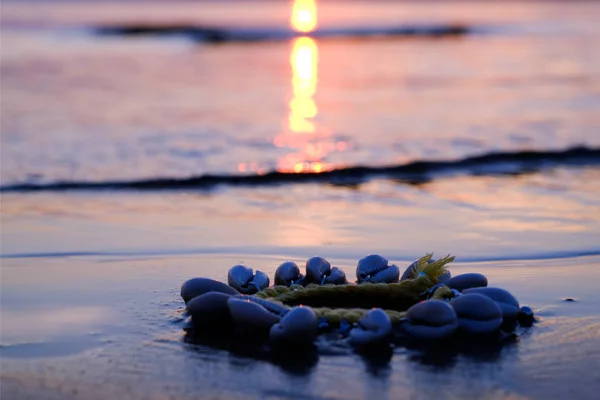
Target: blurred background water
column 116, row 94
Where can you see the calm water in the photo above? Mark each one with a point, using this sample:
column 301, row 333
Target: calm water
column 133, row 162
column 82, row 107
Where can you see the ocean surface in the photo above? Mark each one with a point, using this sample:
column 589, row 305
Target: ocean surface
column 147, row 142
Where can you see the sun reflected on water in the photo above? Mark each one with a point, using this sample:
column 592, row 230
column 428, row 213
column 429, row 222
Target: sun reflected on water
column 304, row 61
column 306, row 143
column 309, row 143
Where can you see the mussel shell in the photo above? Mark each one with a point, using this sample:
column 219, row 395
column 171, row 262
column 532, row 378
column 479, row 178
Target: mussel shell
column 287, row 273
column 444, row 277
column 389, row 275
column 250, row 316
column 526, row 317
column 430, row 320
column 299, row 326
column 336, row 277
column 369, row 266
column 198, row 286
column 316, row 268
column 239, row 276
column 507, row 302
column 210, row 310
column 432, row 313
column 477, row 314
column 426, row 332
column 273, row 307
column 302, row 281
column 409, row 272
column 374, row 327
column 261, row 280
column 467, row 281
column 245, row 281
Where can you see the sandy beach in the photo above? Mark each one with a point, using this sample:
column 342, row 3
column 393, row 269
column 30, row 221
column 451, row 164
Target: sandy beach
column 98, row 327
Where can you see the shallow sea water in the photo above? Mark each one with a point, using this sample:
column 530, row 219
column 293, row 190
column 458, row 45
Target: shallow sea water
column 91, row 276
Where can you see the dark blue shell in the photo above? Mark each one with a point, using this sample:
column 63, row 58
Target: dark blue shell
column 467, row 281
column 507, row 302
column 316, row 269
column 261, row 281
column 250, row 316
column 336, row 277
column 526, row 316
column 198, row 286
column 245, row 281
column 374, row 327
column 369, row 266
column 287, row 274
column 477, row 314
column 275, row 308
column 376, row 269
column 239, row 276
column 210, row 310
column 430, row 320
column 389, row 275
column 299, row 326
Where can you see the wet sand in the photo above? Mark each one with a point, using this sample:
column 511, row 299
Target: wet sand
column 102, row 327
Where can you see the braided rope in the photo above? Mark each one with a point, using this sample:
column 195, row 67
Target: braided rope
column 352, row 315
column 351, row 302
column 394, row 296
column 275, row 291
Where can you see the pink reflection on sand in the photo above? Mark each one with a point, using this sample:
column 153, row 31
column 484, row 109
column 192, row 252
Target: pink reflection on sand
column 49, row 323
column 532, row 203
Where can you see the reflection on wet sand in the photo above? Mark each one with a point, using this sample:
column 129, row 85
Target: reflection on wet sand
column 49, row 323
column 478, row 218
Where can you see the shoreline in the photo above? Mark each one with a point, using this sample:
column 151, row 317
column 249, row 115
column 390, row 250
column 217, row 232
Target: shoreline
column 123, row 318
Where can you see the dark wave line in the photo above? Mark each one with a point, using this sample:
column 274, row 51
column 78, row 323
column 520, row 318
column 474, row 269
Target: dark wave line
column 220, row 35
column 299, row 252
column 418, row 172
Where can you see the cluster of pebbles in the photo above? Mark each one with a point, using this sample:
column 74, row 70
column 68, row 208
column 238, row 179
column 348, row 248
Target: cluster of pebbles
column 471, row 309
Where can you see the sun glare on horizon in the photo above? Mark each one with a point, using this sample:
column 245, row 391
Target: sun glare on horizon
column 304, row 15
